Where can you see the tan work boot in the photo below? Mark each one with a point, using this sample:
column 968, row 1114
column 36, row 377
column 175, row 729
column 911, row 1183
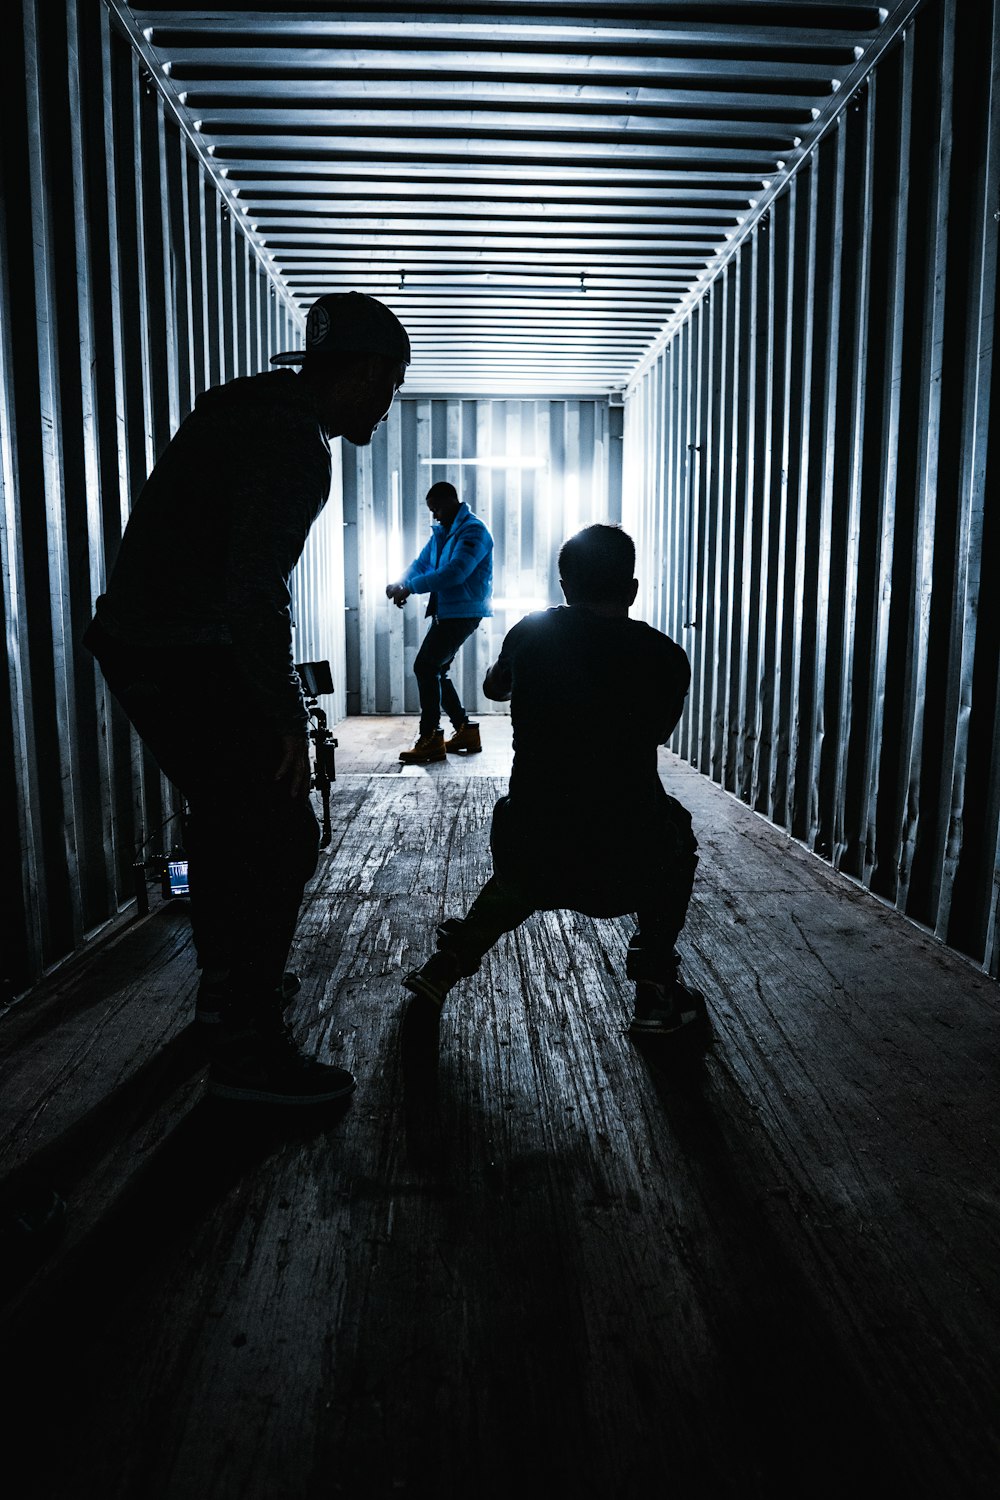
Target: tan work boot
column 428, row 747
column 465, row 739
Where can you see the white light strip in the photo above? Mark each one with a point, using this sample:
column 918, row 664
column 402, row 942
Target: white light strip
column 488, row 463
column 524, row 606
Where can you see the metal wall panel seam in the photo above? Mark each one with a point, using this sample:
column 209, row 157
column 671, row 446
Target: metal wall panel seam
column 749, row 600
column 917, row 808
column 366, row 582
column 546, row 542
column 734, row 553
column 707, row 602
column 189, row 389
column 656, row 518
column 18, row 664
column 142, row 265
column 660, row 514
column 760, row 772
column 892, row 383
column 783, row 217
column 158, row 397
column 670, row 481
column 978, row 404
column 799, row 738
column 200, row 289
column 93, row 805
column 513, row 501
column 482, row 503
column 631, row 480
column 855, row 565
column 352, row 574
column 694, row 603
column 723, row 468
column 169, row 207
column 694, row 548
column 656, row 482
column 394, row 565
column 211, row 259
column 50, row 445
column 652, row 581
column 673, row 621
column 128, row 761
column 227, row 271
column 819, row 808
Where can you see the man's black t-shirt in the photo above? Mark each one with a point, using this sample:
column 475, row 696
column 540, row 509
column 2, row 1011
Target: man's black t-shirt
column 587, row 823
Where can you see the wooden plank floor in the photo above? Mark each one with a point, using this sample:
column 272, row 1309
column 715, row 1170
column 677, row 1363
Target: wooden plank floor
column 554, row 1265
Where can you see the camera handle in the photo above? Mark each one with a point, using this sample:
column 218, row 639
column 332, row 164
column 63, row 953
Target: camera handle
column 324, row 763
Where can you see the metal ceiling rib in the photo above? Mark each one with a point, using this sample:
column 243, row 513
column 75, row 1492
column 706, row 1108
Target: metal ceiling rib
column 539, row 190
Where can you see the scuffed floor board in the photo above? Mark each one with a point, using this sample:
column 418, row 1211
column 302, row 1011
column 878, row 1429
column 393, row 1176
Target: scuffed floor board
column 555, row 1264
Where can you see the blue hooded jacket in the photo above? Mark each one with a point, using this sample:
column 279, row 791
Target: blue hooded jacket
column 457, row 566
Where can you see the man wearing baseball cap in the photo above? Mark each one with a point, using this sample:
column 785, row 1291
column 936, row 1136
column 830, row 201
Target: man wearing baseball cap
column 193, row 635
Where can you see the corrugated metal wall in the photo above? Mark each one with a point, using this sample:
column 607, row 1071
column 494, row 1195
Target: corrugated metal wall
column 125, row 288
column 555, row 465
column 811, row 457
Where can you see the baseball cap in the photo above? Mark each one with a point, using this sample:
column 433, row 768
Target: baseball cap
column 350, row 323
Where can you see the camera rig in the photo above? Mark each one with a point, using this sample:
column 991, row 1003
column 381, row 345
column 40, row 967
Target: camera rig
column 317, row 680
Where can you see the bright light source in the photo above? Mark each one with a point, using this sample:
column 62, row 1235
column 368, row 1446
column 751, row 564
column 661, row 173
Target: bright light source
column 517, row 603
column 571, row 505
column 499, row 462
column 394, row 542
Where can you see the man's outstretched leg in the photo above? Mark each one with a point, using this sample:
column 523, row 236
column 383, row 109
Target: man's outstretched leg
column 462, row 941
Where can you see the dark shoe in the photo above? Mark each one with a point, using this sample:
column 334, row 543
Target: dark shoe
column 464, row 741
column 260, row 1062
column 661, row 1009
column 213, row 997
column 433, row 980
column 428, row 747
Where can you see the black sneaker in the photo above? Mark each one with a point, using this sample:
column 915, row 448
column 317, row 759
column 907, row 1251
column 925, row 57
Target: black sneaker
column 261, row 1063
column 213, row 998
column 434, row 979
column 661, row 1009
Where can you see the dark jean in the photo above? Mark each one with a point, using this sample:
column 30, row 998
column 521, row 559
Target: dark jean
column 251, row 846
column 532, row 875
column 437, row 652
column 503, row 905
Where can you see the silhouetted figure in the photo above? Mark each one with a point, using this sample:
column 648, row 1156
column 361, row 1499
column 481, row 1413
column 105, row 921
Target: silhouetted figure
column 456, row 569
column 586, row 824
column 193, row 635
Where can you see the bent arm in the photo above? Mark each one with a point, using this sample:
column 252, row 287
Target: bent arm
column 471, row 547
column 281, row 485
column 675, row 696
column 497, row 684
column 419, row 566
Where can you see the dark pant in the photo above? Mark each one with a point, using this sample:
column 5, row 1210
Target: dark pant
column 251, row 846
column 430, row 668
column 503, row 904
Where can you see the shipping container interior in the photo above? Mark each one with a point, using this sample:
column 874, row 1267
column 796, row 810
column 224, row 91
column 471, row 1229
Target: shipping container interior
column 723, row 274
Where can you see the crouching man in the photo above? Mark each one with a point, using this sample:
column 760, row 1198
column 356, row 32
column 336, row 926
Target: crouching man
column 578, row 832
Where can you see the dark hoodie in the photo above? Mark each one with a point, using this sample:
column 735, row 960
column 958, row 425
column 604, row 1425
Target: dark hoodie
column 217, row 529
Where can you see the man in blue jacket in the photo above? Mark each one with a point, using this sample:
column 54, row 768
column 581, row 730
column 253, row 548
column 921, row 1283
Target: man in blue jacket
column 456, row 569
